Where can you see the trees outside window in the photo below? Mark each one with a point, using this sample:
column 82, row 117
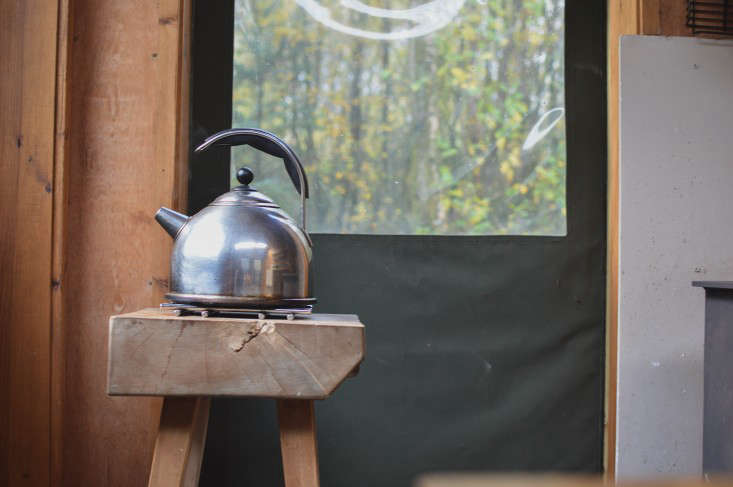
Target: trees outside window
column 430, row 117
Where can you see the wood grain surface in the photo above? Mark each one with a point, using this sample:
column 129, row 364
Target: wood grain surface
column 155, row 353
column 179, row 446
column 298, row 443
column 59, row 236
column 28, row 36
column 478, row 479
column 557, row 480
column 124, row 161
column 664, row 18
column 623, row 20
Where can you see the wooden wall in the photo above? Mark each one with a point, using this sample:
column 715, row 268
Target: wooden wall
column 625, row 17
column 93, row 142
column 27, row 99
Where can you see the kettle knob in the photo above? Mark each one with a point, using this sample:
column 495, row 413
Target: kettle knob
column 245, row 175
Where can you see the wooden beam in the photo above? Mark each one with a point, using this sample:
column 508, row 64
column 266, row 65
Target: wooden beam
column 623, row 19
column 298, row 443
column 663, row 18
column 160, row 354
column 650, row 17
column 28, row 37
column 179, row 447
column 557, row 480
column 128, row 69
column 478, row 479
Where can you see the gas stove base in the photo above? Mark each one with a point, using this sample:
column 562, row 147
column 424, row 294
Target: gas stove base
column 181, row 309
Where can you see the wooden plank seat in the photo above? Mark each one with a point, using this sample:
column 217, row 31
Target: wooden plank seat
column 188, row 359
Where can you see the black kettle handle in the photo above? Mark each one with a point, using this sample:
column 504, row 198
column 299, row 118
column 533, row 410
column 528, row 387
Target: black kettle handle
column 268, row 143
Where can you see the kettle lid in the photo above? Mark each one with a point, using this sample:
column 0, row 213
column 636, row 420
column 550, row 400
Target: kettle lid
column 244, row 195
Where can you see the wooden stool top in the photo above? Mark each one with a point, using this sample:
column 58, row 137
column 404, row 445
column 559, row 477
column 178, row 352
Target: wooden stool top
column 156, row 353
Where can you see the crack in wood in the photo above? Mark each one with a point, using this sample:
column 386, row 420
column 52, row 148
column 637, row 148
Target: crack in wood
column 170, row 351
column 251, row 334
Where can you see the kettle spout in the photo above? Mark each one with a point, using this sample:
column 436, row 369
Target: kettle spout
column 170, row 220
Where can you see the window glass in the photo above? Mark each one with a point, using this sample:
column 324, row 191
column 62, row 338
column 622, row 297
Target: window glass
column 411, row 117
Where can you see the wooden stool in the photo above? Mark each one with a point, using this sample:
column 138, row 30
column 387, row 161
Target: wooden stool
column 188, row 359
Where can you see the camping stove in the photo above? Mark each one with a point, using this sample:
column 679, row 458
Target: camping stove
column 289, row 313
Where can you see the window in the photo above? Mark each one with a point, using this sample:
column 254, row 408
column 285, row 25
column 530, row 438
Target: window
column 442, row 117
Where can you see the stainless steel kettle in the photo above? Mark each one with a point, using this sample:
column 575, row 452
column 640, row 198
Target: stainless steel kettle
column 242, row 250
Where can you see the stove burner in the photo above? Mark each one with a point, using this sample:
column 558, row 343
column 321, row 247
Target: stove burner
column 180, row 309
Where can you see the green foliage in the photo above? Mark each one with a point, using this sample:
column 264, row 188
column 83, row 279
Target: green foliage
column 416, row 136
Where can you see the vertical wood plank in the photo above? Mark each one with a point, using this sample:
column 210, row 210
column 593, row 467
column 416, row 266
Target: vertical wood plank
column 673, row 18
column 298, row 442
column 59, row 238
column 180, row 179
column 623, row 19
column 663, row 18
column 125, row 120
column 27, row 92
column 650, row 17
column 48, row 361
column 179, row 446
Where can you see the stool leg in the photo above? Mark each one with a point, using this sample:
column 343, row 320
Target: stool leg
column 298, row 442
column 179, row 446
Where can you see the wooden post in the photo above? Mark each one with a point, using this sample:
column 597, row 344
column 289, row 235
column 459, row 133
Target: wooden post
column 298, row 442
column 179, row 446
column 119, row 155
